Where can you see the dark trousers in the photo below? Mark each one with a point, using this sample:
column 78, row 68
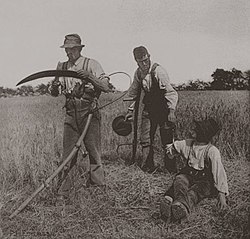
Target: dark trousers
column 166, row 134
column 189, row 191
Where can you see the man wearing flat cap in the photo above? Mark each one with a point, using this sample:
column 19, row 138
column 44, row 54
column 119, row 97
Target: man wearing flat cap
column 81, row 97
column 159, row 99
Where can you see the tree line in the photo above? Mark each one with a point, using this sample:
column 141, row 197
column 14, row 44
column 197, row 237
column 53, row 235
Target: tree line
column 222, row 80
column 25, row 90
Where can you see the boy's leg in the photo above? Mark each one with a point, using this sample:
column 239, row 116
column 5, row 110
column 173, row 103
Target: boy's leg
column 181, row 186
column 180, row 206
column 198, row 191
column 187, row 197
column 165, row 208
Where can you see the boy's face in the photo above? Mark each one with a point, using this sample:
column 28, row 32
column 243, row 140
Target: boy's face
column 198, row 134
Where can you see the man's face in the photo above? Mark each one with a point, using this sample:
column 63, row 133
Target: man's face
column 144, row 63
column 73, row 53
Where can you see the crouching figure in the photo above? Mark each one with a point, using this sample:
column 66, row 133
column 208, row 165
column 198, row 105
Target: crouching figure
column 203, row 176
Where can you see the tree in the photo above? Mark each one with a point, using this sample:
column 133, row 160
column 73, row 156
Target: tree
column 42, row 89
column 197, row 85
column 26, row 90
column 221, row 80
column 246, row 75
column 229, row 80
column 8, row 92
column 238, row 80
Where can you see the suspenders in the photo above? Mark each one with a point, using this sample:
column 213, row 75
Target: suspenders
column 85, row 64
column 64, row 66
column 199, row 174
column 85, row 67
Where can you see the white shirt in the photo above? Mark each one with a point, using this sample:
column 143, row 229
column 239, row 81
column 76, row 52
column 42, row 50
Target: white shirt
column 68, row 83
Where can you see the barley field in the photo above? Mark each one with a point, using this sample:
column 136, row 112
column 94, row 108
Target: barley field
column 31, row 130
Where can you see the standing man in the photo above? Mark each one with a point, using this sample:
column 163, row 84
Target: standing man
column 81, row 98
column 160, row 100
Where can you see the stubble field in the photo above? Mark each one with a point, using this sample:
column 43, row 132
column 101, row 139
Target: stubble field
column 31, row 130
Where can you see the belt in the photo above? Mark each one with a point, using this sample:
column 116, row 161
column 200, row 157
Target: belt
column 82, row 104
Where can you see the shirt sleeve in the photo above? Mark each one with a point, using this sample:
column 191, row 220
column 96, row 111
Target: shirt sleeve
column 96, row 68
column 133, row 90
column 219, row 174
column 171, row 95
column 179, row 146
column 102, row 80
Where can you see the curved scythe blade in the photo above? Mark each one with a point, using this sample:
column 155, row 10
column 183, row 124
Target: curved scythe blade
column 50, row 73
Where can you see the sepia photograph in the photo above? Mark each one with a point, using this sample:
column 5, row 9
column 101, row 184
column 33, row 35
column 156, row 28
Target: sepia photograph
column 124, row 119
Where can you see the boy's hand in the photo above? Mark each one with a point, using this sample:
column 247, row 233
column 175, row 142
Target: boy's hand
column 222, row 204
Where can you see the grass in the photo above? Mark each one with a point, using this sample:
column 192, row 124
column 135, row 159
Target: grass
column 31, row 130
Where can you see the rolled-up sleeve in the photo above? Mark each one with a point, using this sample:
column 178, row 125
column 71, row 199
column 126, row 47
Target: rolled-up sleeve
column 170, row 94
column 96, row 68
column 102, row 80
column 134, row 89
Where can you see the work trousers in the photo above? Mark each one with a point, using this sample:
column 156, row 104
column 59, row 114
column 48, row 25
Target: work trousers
column 74, row 124
column 188, row 191
column 149, row 126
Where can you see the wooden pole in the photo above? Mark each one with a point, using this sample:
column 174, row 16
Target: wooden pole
column 59, row 169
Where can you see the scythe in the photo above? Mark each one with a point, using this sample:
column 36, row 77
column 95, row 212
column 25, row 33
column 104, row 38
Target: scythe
column 65, row 73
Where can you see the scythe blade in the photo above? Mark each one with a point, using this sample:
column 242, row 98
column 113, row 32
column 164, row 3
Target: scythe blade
column 99, row 84
column 50, row 73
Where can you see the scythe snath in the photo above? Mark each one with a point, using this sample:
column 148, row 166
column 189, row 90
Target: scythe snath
column 58, row 170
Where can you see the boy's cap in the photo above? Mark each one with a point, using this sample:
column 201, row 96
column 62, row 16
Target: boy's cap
column 209, row 127
column 140, row 52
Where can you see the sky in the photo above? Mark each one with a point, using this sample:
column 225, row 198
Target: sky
column 189, row 38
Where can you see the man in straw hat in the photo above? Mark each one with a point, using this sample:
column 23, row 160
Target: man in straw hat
column 81, row 97
column 159, row 99
column 203, row 176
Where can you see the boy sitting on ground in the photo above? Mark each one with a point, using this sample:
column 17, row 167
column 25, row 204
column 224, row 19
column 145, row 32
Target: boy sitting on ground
column 203, row 176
